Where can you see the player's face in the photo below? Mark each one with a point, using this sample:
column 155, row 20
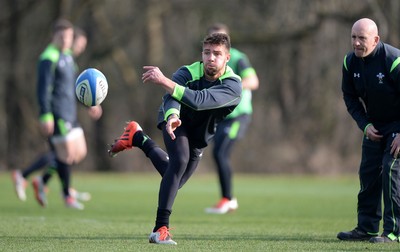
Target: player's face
column 363, row 41
column 64, row 38
column 79, row 46
column 214, row 58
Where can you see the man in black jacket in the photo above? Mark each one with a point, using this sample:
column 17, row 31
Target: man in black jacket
column 371, row 91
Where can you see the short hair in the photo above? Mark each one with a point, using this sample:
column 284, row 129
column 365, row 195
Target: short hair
column 218, row 39
column 62, row 24
column 217, row 27
column 79, row 32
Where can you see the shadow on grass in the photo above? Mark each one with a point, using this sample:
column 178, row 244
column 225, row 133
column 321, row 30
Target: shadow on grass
column 266, row 237
column 331, row 244
column 236, row 237
column 62, row 238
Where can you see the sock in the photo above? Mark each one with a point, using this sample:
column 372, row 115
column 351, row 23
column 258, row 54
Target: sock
column 156, row 155
column 162, row 218
column 48, row 174
column 143, row 141
column 64, row 174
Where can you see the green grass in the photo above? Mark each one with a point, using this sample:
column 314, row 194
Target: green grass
column 276, row 213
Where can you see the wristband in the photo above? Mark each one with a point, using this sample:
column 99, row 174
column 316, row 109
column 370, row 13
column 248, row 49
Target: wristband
column 48, row 117
column 365, row 129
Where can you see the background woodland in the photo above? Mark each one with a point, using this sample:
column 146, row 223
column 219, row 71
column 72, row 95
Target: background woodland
column 300, row 123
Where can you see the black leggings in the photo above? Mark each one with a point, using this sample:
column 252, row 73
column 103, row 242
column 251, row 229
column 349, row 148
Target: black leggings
column 176, row 167
column 228, row 132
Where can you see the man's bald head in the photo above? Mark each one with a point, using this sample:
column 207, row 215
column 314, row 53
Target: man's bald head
column 368, row 24
column 364, row 37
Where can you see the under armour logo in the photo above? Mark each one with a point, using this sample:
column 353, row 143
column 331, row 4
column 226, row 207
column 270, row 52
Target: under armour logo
column 380, row 77
column 357, row 75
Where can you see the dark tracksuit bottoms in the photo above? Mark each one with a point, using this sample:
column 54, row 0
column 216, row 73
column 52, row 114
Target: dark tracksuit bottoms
column 376, row 164
column 175, row 168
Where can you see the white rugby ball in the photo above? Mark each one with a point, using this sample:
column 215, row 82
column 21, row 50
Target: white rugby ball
column 91, row 87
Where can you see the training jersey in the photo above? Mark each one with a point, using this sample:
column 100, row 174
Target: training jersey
column 199, row 103
column 375, row 80
column 240, row 64
column 56, row 85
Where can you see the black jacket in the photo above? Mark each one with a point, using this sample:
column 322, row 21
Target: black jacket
column 371, row 86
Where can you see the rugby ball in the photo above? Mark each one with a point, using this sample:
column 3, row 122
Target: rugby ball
column 91, row 87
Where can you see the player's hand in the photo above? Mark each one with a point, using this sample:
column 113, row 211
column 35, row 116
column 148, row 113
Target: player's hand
column 373, row 134
column 152, row 74
column 172, row 123
column 47, row 128
column 395, row 150
column 95, row 112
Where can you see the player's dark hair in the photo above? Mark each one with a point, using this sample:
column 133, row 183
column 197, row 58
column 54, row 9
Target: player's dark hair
column 62, row 24
column 217, row 27
column 218, row 39
column 79, row 32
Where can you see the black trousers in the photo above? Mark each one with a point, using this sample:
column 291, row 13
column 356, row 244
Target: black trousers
column 379, row 175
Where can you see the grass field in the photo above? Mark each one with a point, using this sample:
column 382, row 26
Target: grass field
column 276, row 213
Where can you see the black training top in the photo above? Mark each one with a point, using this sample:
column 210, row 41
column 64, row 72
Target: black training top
column 199, row 103
column 371, row 86
column 56, row 85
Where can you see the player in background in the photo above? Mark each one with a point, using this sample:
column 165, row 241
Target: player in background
column 78, row 47
column 233, row 127
column 55, row 51
column 198, row 97
column 80, row 42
